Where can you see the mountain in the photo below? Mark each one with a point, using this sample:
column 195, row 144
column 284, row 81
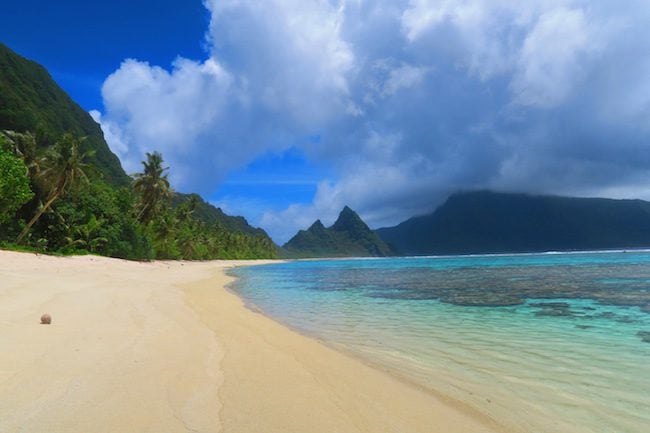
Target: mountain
column 30, row 100
column 348, row 237
column 211, row 215
column 101, row 216
column 490, row 222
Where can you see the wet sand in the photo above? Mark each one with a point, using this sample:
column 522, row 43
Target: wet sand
column 164, row 347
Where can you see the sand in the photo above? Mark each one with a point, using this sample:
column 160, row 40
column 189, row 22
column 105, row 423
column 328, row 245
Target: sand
column 165, row 347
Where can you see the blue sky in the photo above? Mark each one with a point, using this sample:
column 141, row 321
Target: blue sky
column 287, row 110
column 82, row 42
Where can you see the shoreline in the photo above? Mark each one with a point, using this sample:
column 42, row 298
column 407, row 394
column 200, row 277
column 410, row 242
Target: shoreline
column 165, row 346
column 464, row 406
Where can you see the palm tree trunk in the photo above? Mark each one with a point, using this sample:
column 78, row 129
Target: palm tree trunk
column 40, row 212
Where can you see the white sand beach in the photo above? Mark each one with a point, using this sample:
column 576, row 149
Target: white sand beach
column 165, row 347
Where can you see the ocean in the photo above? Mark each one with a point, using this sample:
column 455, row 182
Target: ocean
column 555, row 342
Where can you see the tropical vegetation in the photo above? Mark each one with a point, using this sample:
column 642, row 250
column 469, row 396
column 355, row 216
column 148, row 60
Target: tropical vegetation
column 62, row 190
column 14, row 182
column 54, row 201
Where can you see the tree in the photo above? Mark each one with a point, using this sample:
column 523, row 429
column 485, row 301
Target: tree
column 87, row 235
column 185, row 211
column 62, row 168
column 99, row 215
column 165, row 244
column 152, row 187
column 14, row 183
column 23, row 145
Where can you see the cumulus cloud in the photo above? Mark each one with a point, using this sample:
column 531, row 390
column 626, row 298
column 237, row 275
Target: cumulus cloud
column 550, row 59
column 177, row 112
column 411, row 100
column 208, row 117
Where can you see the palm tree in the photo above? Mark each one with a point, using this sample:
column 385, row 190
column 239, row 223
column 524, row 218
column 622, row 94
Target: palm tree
column 185, row 211
column 87, row 235
column 153, row 187
column 165, row 244
column 62, row 168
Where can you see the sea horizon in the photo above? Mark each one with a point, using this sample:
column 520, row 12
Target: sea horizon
column 302, row 216
column 439, row 256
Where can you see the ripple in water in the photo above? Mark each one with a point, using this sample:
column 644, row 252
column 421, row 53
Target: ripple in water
column 543, row 343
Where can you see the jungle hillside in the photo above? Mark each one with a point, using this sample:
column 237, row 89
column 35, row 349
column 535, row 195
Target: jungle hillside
column 62, row 190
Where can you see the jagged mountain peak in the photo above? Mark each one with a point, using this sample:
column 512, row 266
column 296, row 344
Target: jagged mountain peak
column 316, row 226
column 349, row 236
column 350, row 220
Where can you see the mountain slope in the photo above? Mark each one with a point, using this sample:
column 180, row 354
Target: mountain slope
column 100, row 216
column 30, row 100
column 488, row 222
column 211, row 215
column 348, row 237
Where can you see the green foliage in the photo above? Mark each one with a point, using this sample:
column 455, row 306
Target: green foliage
column 63, row 166
column 179, row 235
column 98, row 219
column 211, row 215
column 64, row 195
column 14, row 183
column 95, row 217
column 66, row 215
column 62, row 170
column 24, row 146
column 31, row 101
column 152, row 187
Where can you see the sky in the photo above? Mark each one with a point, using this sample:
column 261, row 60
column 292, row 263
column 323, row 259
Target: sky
column 284, row 111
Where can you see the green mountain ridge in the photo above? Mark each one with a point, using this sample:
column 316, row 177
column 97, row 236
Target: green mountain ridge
column 30, row 100
column 104, row 215
column 211, row 215
column 349, row 236
column 489, row 222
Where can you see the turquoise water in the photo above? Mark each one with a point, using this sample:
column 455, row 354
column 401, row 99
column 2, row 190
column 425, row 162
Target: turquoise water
column 539, row 342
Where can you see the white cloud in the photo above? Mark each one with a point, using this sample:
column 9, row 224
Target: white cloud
column 403, row 77
column 421, row 15
column 285, row 77
column 288, row 55
column 149, row 108
column 113, row 136
column 411, row 100
column 551, row 57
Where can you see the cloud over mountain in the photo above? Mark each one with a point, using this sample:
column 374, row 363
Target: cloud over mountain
column 410, row 100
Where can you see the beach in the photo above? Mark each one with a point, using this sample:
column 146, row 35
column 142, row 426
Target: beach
column 565, row 358
column 165, row 347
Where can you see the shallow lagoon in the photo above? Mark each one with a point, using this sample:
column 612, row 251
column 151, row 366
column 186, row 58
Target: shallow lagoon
column 540, row 342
